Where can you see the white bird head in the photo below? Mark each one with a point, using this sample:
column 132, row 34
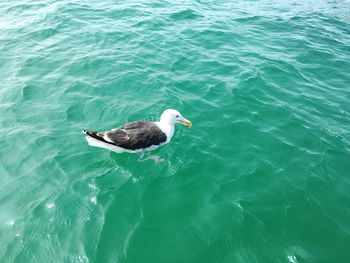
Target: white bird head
column 173, row 117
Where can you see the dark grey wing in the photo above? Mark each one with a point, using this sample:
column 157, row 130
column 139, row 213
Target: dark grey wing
column 136, row 135
column 135, row 125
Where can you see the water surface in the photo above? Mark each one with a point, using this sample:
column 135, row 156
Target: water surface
column 262, row 176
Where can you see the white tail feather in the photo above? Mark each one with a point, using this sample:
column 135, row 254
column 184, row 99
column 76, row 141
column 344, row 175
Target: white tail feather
column 96, row 143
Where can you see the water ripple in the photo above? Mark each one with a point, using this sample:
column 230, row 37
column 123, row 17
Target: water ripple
column 266, row 86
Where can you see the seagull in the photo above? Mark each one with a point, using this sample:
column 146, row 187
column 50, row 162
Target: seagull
column 138, row 136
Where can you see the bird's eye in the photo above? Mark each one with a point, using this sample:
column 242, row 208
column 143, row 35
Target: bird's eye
column 177, row 116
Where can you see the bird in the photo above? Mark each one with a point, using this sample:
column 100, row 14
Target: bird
column 138, row 136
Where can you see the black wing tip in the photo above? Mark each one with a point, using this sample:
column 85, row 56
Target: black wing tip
column 89, row 133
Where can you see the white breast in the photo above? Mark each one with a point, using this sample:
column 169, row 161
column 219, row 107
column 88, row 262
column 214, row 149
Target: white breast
column 167, row 129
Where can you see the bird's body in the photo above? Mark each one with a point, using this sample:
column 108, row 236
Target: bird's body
column 132, row 137
column 139, row 136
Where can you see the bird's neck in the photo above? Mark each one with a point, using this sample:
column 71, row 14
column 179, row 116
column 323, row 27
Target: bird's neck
column 167, row 128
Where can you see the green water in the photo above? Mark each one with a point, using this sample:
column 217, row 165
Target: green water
column 263, row 174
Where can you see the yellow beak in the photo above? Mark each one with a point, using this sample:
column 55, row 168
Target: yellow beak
column 187, row 123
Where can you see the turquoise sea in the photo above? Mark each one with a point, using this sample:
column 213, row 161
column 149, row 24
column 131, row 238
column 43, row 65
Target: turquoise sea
column 262, row 176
